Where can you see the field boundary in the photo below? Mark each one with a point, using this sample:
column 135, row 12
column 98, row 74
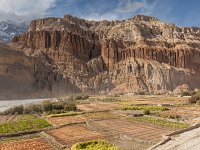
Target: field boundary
column 52, row 140
column 79, row 113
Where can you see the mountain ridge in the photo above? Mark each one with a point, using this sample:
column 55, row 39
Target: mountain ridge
column 112, row 57
column 9, row 29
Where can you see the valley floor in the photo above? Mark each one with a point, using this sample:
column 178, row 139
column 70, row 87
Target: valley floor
column 118, row 120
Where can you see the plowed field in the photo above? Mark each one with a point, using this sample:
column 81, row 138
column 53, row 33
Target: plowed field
column 56, row 121
column 131, row 129
column 72, row 134
column 31, row 144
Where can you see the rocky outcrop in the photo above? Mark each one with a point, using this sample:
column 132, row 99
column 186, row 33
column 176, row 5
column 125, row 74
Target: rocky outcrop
column 138, row 54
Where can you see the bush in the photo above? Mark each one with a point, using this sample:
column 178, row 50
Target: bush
column 47, row 106
column 32, row 109
column 94, row 145
column 58, row 106
column 195, row 99
column 185, row 94
column 188, row 93
column 17, row 110
column 140, row 93
column 78, row 97
column 84, row 97
column 70, row 98
column 71, row 106
column 146, row 112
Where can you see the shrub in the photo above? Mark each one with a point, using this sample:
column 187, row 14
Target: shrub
column 70, row 98
column 94, row 145
column 188, row 93
column 57, row 106
column 185, row 94
column 140, row 93
column 84, row 97
column 194, row 99
column 32, row 109
column 146, row 112
column 47, row 106
column 174, row 116
column 78, row 97
column 17, row 110
column 71, row 106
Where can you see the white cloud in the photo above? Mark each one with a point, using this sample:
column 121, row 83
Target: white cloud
column 130, row 6
column 120, row 11
column 24, row 9
column 97, row 16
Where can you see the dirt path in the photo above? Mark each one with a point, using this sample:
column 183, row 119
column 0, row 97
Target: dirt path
column 186, row 141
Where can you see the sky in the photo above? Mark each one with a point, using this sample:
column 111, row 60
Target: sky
column 179, row 12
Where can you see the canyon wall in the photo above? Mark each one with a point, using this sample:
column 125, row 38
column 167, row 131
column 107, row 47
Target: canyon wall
column 138, row 54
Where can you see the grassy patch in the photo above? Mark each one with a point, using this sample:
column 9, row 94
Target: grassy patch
column 94, row 145
column 66, row 114
column 100, row 115
column 162, row 122
column 143, row 107
column 107, row 99
column 25, row 123
column 27, row 117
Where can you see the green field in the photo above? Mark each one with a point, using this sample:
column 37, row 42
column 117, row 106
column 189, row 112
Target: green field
column 144, row 107
column 161, row 122
column 25, row 123
column 94, row 145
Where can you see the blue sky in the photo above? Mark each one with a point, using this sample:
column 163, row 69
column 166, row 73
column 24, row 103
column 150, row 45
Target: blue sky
column 179, row 12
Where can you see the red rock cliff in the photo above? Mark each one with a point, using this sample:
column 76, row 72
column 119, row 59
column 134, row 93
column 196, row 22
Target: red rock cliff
column 141, row 53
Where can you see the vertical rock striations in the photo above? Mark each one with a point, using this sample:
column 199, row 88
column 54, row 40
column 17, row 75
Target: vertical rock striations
column 138, row 54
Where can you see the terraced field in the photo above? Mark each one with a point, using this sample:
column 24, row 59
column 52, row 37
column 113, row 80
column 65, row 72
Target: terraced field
column 56, row 121
column 187, row 113
column 30, row 144
column 98, row 119
column 100, row 115
column 9, row 118
column 133, row 130
column 98, row 106
column 72, row 134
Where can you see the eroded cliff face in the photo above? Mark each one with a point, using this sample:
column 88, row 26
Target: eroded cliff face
column 139, row 54
column 24, row 76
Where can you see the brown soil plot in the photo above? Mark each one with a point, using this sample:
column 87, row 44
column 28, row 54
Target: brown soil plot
column 31, row 144
column 72, row 134
column 56, row 121
column 98, row 106
column 133, row 130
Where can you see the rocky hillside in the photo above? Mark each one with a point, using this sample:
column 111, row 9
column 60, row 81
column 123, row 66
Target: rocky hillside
column 24, row 76
column 9, row 29
column 138, row 54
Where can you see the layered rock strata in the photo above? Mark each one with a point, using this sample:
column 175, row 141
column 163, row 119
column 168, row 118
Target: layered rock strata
column 138, row 54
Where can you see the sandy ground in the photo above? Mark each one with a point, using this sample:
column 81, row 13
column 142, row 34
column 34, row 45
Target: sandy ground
column 186, row 141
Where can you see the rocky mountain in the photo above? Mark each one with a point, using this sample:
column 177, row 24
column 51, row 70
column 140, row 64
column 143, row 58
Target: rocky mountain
column 10, row 29
column 71, row 55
